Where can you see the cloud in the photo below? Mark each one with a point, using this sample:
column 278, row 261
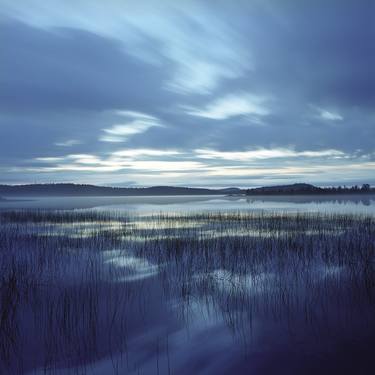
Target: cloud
column 138, row 123
column 68, row 143
column 330, row 116
column 132, row 153
column 199, row 48
column 232, row 105
column 263, row 153
column 168, row 78
column 50, row 159
column 306, row 172
column 131, row 159
column 203, row 168
column 200, row 77
column 69, row 69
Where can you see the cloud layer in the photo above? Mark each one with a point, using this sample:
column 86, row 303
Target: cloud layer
column 184, row 93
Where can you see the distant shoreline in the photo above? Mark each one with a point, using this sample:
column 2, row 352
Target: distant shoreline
column 59, row 190
column 308, row 189
column 310, row 193
column 77, row 190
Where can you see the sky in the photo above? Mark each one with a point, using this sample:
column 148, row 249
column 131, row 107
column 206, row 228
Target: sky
column 187, row 93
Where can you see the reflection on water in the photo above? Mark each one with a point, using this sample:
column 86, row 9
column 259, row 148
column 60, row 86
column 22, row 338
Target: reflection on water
column 351, row 203
column 138, row 268
column 360, row 203
column 200, row 292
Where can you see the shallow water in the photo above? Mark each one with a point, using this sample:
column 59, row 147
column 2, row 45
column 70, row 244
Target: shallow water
column 188, row 285
column 151, row 204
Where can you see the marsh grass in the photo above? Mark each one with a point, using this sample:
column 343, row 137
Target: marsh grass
column 78, row 286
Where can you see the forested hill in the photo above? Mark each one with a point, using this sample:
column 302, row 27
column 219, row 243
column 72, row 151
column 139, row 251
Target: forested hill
column 93, row 190
column 309, row 189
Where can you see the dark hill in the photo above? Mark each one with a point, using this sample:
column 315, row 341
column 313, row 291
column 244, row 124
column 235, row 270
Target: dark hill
column 93, row 190
column 286, row 189
column 296, row 189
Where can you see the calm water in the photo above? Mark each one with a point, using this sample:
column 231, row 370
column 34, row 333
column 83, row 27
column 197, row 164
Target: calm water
column 307, row 203
column 188, row 285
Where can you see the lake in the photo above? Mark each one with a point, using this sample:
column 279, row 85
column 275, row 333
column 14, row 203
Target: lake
column 305, row 203
column 187, row 285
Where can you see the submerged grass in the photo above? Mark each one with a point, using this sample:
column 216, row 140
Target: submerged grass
column 79, row 285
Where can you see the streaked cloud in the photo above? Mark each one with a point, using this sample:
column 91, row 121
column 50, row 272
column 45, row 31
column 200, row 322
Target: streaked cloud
column 200, row 77
column 200, row 48
column 263, row 153
column 168, row 92
column 49, row 159
column 231, row 106
column 330, row 115
column 68, row 143
column 137, row 159
column 207, row 167
column 137, row 123
column 144, row 152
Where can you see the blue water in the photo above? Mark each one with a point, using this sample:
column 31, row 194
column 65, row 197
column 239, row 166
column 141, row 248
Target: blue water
column 306, row 311
column 363, row 204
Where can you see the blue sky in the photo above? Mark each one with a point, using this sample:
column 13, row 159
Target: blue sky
column 198, row 93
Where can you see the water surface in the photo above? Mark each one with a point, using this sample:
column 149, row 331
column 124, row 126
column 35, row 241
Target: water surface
column 188, row 285
column 304, row 203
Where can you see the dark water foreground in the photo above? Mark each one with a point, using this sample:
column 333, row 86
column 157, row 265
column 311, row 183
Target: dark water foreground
column 100, row 292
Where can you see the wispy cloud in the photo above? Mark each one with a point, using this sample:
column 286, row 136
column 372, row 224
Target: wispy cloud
column 132, row 65
column 136, row 123
column 200, row 77
column 201, row 49
column 68, row 143
column 231, row 106
column 136, row 115
column 132, row 159
column 330, row 115
column 49, row 159
column 132, row 153
column 313, row 172
column 263, row 153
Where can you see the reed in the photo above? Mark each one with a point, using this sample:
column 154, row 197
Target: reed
column 80, row 284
